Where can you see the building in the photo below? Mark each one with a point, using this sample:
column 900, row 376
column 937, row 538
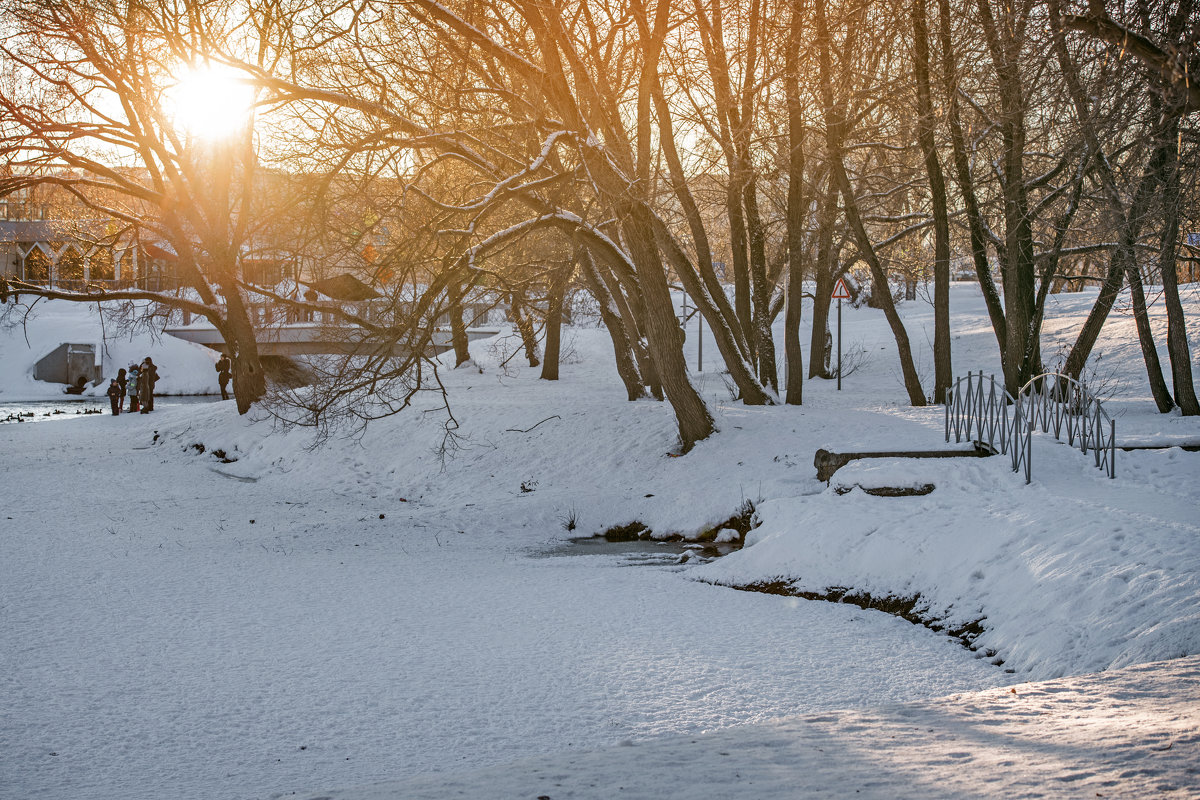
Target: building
column 42, row 247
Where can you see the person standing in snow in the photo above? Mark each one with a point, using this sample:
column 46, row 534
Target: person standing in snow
column 146, row 387
column 122, row 381
column 131, row 387
column 149, row 377
column 224, row 374
column 114, row 396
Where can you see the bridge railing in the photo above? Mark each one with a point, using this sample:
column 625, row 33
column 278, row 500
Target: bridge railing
column 980, row 409
column 1059, row 403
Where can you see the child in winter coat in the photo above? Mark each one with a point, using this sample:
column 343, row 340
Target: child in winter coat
column 114, row 396
column 131, row 387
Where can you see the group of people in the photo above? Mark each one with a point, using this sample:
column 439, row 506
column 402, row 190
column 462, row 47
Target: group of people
column 136, row 382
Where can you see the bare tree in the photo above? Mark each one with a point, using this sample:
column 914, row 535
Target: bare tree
column 87, row 116
column 836, row 124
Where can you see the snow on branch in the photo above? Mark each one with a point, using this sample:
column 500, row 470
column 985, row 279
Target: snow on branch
column 93, row 294
column 1171, row 66
column 510, row 185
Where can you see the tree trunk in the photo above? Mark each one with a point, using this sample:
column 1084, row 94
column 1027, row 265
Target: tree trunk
column 625, row 190
column 713, row 303
column 912, row 382
column 458, row 332
column 834, row 135
column 524, row 325
column 793, row 352
column 943, row 369
column 966, row 184
column 1177, row 343
column 1117, row 269
column 701, row 282
column 665, row 340
column 1004, row 44
column 554, row 316
column 249, row 382
column 634, row 318
column 1158, row 386
column 740, row 369
column 1124, row 256
column 819, row 365
column 622, row 350
column 733, row 139
column 742, row 302
column 764, row 342
column 796, row 214
column 824, row 275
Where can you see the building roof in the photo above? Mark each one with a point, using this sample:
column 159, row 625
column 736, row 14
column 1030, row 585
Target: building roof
column 32, row 230
column 344, row 287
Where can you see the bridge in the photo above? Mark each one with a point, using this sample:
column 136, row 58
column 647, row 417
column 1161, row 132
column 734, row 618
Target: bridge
column 313, row 338
column 988, row 414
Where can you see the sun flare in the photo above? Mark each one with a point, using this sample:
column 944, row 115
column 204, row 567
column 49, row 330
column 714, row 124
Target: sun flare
column 211, row 102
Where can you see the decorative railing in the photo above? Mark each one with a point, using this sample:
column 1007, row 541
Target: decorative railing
column 1053, row 401
column 979, row 409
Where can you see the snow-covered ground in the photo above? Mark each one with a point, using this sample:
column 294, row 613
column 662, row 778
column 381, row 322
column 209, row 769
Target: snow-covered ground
column 376, row 611
column 1129, row 733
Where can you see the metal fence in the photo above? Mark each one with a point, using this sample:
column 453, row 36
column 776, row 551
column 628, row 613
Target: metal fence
column 980, row 409
column 1053, row 401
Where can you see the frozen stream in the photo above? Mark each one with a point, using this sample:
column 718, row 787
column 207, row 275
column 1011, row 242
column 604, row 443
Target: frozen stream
column 168, row 632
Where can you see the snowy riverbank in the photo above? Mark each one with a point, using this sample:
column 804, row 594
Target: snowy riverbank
column 378, row 611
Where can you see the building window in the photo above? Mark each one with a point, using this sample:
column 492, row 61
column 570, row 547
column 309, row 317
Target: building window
column 37, row 266
column 101, row 266
column 70, row 266
column 128, row 268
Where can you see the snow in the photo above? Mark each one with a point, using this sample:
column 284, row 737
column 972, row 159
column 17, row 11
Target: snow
column 1131, row 733
column 400, row 622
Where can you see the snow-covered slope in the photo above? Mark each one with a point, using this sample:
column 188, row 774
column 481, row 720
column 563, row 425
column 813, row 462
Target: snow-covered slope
column 378, row 609
column 1072, row 573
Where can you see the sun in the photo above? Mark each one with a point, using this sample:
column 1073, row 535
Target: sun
column 211, row 102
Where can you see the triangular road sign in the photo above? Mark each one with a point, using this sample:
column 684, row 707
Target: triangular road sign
column 840, row 292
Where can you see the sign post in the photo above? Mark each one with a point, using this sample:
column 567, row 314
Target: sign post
column 840, row 293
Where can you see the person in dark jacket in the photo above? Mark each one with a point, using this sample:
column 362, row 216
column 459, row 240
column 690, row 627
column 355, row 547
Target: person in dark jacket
column 148, row 377
column 146, row 387
column 114, row 396
column 122, row 381
column 224, row 374
column 132, row 388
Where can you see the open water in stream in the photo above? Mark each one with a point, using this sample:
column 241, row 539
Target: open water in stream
column 70, row 406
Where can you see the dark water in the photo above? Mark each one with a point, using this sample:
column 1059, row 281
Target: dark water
column 643, row 552
column 70, row 406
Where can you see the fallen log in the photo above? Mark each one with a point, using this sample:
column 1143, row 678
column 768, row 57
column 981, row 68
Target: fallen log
column 828, row 462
